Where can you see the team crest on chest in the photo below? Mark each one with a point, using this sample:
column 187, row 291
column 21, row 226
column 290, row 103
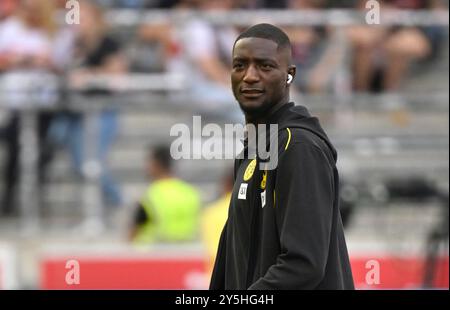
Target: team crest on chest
column 250, row 170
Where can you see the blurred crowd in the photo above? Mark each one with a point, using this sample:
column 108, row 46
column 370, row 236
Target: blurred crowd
column 376, row 57
column 33, row 46
column 39, row 55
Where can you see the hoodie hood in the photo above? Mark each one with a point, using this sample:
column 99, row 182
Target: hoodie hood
column 292, row 116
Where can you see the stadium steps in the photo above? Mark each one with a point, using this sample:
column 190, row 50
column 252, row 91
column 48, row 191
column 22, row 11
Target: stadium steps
column 430, row 77
column 426, row 151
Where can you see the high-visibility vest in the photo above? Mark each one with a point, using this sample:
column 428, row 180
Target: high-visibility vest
column 172, row 207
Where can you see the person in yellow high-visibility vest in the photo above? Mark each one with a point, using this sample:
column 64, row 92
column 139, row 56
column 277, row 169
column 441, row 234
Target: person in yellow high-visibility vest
column 169, row 209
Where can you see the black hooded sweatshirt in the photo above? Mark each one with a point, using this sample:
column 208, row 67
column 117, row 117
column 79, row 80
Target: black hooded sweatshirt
column 284, row 229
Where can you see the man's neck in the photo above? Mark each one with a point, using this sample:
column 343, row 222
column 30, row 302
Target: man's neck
column 264, row 119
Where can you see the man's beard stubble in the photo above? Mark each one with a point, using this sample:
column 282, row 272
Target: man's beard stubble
column 252, row 113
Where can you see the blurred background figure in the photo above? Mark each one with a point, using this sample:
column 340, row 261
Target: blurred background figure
column 154, row 45
column 202, row 54
column 213, row 220
column 27, row 29
column 169, row 209
column 318, row 52
column 95, row 54
column 383, row 55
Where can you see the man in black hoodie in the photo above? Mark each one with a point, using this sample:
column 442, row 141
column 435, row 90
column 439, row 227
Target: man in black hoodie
column 284, row 229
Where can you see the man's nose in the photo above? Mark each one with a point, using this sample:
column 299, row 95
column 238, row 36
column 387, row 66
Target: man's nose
column 251, row 75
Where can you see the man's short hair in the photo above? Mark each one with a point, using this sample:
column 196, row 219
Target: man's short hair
column 161, row 154
column 266, row 31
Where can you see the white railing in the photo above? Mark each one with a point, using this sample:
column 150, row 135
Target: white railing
column 331, row 17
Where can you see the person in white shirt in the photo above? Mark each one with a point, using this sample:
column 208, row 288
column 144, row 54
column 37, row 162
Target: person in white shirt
column 203, row 56
column 26, row 38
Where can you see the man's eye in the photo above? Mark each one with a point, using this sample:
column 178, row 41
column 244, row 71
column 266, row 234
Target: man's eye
column 266, row 66
column 238, row 66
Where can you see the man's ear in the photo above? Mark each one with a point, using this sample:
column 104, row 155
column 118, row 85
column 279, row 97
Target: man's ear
column 292, row 70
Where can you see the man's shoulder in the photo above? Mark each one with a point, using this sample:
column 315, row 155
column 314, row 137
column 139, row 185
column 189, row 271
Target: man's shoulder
column 303, row 144
column 297, row 135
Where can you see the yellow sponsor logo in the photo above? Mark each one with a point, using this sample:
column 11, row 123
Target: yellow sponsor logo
column 263, row 181
column 250, row 169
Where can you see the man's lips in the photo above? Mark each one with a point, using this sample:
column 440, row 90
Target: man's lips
column 251, row 92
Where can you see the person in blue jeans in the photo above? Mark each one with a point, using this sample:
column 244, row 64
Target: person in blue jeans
column 95, row 54
column 70, row 130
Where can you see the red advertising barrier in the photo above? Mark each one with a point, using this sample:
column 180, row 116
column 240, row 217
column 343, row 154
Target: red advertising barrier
column 123, row 273
column 397, row 272
column 189, row 273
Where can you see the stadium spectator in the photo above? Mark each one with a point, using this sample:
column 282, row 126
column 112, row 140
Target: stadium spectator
column 169, row 209
column 202, row 55
column 153, row 47
column 9, row 27
column 95, row 54
column 316, row 51
column 382, row 55
column 26, row 33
